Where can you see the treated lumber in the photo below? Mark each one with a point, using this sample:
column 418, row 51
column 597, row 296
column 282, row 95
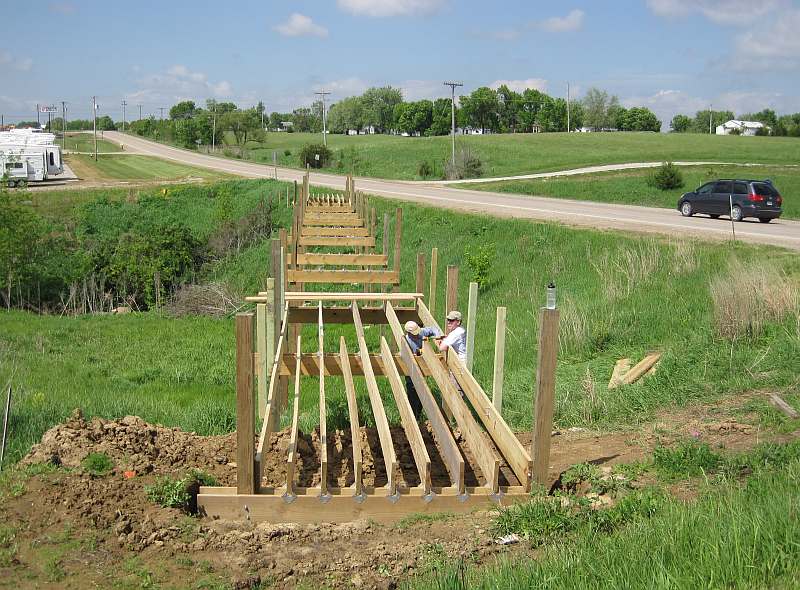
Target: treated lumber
column 323, row 423
column 420, row 272
column 344, row 315
column 262, row 358
column 309, row 365
column 352, row 410
column 426, row 316
column 345, row 277
column 291, row 461
column 499, row 359
column 781, row 405
column 246, row 482
column 343, row 242
column 451, row 294
column 378, row 411
column 335, row 232
column 344, row 296
column 434, row 265
column 640, row 368
column 343, row 259
column 481, row 448
column 398, row 236
column 472, row 321
column 545, row 393
column 621, row 367
column 441, row 431
column 273, row 409
column 407, row 418
column 333, row 220
column 509, row 445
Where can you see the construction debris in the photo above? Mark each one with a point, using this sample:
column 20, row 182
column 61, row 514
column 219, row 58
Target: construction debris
column 622, row 375
column 781, row 405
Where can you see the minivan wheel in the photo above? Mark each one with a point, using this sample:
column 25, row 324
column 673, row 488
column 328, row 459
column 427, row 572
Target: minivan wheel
column 736, row 213
column 686, row 209
column 765, row 219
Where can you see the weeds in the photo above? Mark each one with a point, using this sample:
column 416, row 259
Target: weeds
column 97, row 464
column 687, row 459
column 421, row 518
column 179, row 493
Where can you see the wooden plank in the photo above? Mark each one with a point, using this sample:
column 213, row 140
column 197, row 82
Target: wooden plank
column 407, row 418
column 621, row 367
column 434, row 263
column 781, row 405
column 344, row 315
column 333, row 220
column 441, row 431
column 341, row 242
column 499, row 359
column 385, row 250
column 472, row 321
column 420, row 272
column 481, row 448
column 343, row 259
column 336, row 232
column 344, row 296
column 398, row 236
column 273, row 410
column 291, row 461
column 451, row 295
column 262, row 357
column 309, row 365
column 378, row 411
column 426, row 316
column 641, row 368
column 545, row 394
column 323, row 425
column 352, row 409
column 344, row 277
column 507, row 443
column 270, row 337
column 245, row 408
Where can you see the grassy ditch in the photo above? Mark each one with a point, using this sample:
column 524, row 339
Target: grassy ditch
column 134, row 167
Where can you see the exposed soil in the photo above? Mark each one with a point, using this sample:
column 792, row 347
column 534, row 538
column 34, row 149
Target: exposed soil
column 104, row 532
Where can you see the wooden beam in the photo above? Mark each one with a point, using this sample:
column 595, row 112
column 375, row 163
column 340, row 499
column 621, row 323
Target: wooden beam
column 245, row 409
column 272, row 413
column 545, row 394
column 441, row 431
column 344, row 315
column 291, row 461
column 778, row 402
column 323, row 426
column 335, row 232
column 332, row 365
column 341, row 242
column 270, row 337
column 420, row 272
column 481, row 448
column 398, row 236
column 263, row 358
column 378, row 411
column 640, row 368
column 344, row 296
column 434, row 263
column 621, row 367
column 451, row 296
column 472, row 322
column 499, row 359
column 385, row 250
column 344, row 277
column 352, row 409
column 407, row 418
column 343, row 259
column 333, row 220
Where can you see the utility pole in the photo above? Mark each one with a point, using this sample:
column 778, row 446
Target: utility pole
column 38, row 122
column 323, row 94
column 94, row 125
column 162, row 113
column 214, row 130
column 568, row 127
column 63, row 125
column 710, row 117
column 140, row 112
column 452, row 86
column 124, row 104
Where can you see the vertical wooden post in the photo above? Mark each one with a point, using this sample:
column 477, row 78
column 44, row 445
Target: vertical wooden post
column 386, row 236
column 545, row 394
column 373, row 226
column 434, row 263
column 451, row 295
column 398, row 235
column 420, row 272
column 271, row 339
column 261, row 351
column 499, row 359
column 472, row 321
column 245, row 410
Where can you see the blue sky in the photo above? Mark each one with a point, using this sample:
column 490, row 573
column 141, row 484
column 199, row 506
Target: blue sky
column 670, row 55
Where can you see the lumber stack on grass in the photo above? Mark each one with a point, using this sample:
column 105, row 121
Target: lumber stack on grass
column 624, row 376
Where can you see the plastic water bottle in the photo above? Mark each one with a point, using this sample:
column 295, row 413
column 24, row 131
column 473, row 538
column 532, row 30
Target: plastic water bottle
column 551, row 295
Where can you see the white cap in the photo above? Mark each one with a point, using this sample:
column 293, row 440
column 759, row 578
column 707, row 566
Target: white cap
column 412, row 328
column 454, row 315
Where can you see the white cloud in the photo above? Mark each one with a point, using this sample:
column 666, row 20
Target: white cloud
column 562, row 24
column 21, row 64
column 775, row 46
column 179, row 83
column 300, row 25
column 384, row 8
column 723, row 12
column 668, row 103
column 521, row 85
column 344, row 87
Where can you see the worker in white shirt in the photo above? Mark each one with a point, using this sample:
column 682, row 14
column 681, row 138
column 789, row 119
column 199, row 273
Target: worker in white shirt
column 455, row 336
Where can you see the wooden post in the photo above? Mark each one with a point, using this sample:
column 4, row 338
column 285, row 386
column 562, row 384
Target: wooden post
column 499, row 359
column 434, row 263
column 245, row 410
column 271, row 335
column 398, row 234
column 451, row 296
column 545, row 394
column 472, row 320
column 420, row 272
column 262, row 363
column 373, row 226
column 385, row 235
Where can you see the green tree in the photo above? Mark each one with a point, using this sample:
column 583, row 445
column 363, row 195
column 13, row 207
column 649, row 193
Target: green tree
column 552, row 115
column 701, row 120
column 105, row 123
column 509, row 105
column 680, row 124
column 346, row 114
column 596, row 106
column 20, row 229
column 530, row 103
column 183, row 110
column 480, row 108
column 441, row 117
column 641, row 119
column 378, row 106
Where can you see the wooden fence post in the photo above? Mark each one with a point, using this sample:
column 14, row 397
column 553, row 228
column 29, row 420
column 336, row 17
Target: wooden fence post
column 398, row 236
column 420, row 272
column 499, row 359
column 472, row 321
column 451, row 295
column 545, row 393
column 263, row 361
column 434, row 263
column 245, row 410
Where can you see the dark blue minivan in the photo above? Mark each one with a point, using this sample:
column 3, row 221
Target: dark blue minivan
column 735, row 198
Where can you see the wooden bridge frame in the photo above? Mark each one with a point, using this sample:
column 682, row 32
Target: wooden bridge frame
column 267, row 358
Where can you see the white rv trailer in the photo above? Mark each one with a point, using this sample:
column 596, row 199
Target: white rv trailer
column 29, row 156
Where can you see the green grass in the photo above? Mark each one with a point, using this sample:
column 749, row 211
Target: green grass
column 97, row 464
column 84, row 142
column 134, row 167
column 629, row 187
column 386, row 156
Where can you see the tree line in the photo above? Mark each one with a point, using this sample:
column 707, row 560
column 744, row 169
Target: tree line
column 706, row 121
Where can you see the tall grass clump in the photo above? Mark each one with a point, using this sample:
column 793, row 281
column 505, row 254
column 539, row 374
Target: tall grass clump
column 467, row 164
column 746, row 298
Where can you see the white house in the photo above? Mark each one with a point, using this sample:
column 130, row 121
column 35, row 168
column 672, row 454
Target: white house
column 742, row 127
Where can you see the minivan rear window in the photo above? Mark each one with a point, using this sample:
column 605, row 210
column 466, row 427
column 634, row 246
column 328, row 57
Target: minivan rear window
column 723, row 187
column 740, row 188
column 764, row 189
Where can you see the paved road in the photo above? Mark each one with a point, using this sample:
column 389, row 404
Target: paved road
column 580, row 213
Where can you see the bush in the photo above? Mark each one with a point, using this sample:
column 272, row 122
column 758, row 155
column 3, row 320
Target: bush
column 97, row 464
column 309, row 153
column 479, row 261
column 666, row 177
column 467, row 165
column 424, row 169
column 179, row 493
column 287, row 153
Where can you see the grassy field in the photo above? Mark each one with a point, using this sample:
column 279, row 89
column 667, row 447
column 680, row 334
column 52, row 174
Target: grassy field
column 84, row 142
column 619, row 296
column 130, row 167
column 386, row 156
column 629, row 187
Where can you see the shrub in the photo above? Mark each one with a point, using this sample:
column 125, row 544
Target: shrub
column 179, row 493
column 424, row 169
column 666, row 177
column 309, row 153
column 480, row 260
column 287, row 153
column 97, row 464
column 467, row 165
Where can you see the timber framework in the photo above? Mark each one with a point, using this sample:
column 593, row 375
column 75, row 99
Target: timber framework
column 332, row 245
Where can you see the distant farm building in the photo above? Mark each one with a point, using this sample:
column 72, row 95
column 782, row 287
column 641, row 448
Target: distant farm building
column 740, row 127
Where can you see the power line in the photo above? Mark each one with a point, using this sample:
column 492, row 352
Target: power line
column 323, row 94
column 453, row 86
column 140, row 111
column 94, row 125
column 162, row 112
column 124, row 104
